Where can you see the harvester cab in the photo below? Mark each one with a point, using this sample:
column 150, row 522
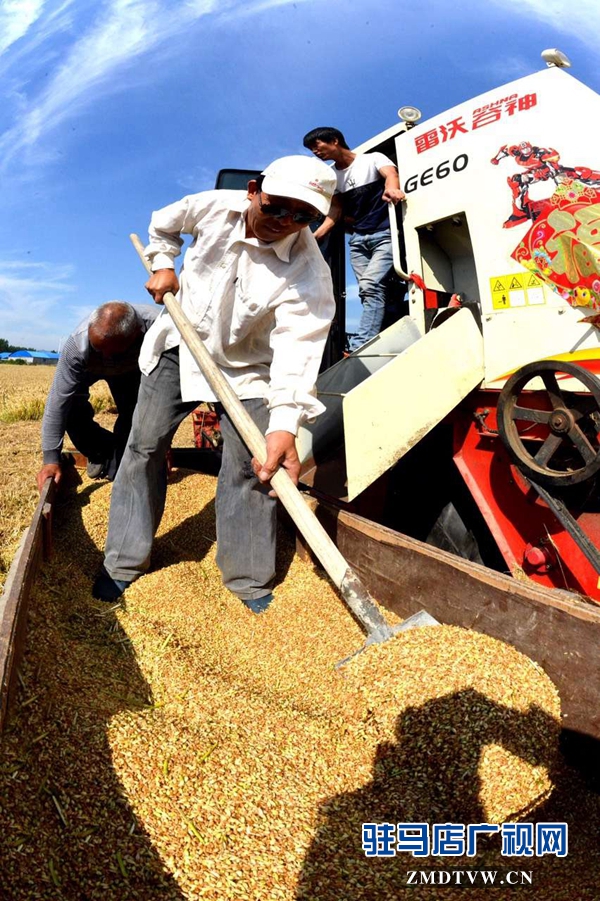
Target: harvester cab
column 490, row 374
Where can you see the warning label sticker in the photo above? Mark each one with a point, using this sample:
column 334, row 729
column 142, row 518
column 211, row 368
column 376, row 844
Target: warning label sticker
column 521, row 289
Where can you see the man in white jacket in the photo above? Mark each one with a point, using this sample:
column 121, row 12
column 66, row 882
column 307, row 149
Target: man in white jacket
column 256, row 288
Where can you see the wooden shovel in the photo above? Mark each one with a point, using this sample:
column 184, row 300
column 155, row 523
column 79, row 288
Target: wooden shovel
column 354, row 594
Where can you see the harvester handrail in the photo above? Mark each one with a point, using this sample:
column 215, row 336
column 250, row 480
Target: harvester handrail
column 396, row 245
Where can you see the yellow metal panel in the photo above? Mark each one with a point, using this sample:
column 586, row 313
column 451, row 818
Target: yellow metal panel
column 392, row 410
column 319, row 440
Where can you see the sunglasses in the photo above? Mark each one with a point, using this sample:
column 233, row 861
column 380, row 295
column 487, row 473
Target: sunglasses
column 279, row 212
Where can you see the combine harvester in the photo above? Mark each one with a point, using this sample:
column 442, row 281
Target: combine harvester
column 461, row 444
column 471, row 424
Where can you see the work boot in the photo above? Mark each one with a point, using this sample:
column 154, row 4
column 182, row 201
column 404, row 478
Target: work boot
column 105, row 588
column 106, row 469
column 96, row 470
column 258, row 605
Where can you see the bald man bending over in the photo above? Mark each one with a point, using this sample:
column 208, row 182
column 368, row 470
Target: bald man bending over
column 105, row 346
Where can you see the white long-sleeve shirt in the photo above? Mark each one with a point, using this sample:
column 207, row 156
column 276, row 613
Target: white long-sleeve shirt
column 262, row 310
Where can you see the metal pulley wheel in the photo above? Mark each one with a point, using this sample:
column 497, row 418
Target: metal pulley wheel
column 551, row 433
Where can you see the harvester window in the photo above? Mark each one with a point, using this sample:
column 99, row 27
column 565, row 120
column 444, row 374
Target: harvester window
column 235, row 179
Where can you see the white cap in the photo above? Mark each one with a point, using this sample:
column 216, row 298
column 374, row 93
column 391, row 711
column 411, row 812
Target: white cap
column 302, row 178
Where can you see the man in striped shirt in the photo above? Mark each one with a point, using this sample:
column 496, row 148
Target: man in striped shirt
column 106, row 345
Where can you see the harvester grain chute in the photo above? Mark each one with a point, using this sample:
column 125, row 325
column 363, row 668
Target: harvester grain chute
column 384, row 398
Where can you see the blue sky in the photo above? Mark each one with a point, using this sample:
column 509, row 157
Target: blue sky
column 110, row 109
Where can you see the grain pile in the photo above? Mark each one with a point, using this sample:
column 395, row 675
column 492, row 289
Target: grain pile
column 478, row 723
column 182, row 748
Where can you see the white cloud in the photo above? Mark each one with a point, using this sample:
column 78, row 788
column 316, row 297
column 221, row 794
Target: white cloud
column 37, row 49
column 259, row 6
column 505, row 68
column 98, row 61
column 32, row 302
column 123, row 30
column 580, row 19
column 16, row 18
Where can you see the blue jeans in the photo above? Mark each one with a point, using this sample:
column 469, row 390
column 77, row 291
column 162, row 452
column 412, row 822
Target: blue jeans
column 246, row 515
column 372, row 260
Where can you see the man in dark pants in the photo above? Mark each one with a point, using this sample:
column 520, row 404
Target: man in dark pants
column 257, row 290
column 105, row 346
